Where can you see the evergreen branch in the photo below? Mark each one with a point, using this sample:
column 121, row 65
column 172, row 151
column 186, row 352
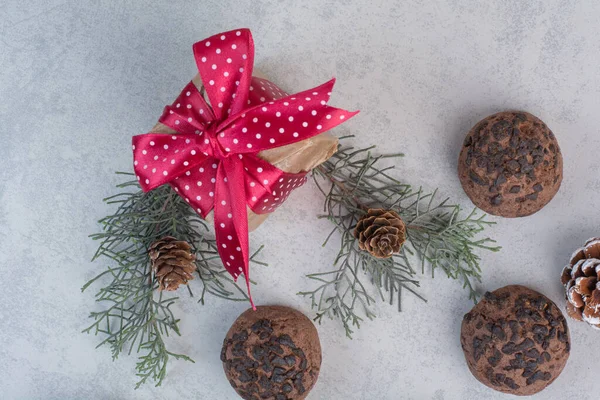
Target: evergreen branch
column 136, row 316
column 437, row 238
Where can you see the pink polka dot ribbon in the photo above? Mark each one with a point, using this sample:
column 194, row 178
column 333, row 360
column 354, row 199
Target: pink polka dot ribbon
column 212, row 161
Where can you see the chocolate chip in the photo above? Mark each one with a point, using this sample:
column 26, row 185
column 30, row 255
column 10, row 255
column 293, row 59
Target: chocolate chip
column 286, row 340
column 527, row 373
column 541, row 329
column 515, row 189
column 501, row 129
column 286, row 388
column 279, row 362
column 256, row 326
column 532, row 353
column 537, row 187
column 498, row 332
column 303, row 364
column 290, row 360
column 512, row 166
column 299, row 353
column 478, row 179
column 545, row 344
column 509, row 348
column 489, row 372
column 532, row 196
column 539, row 339
column 238, row 350
column 489, row 296
column 246, row 376
column 496, row 200
column 538, row 375
column 517, row 363
column 495, row 148
column 562, row 337
column 531, row 364
column 267, row 366
column 511, row 384
column 500, row 180
column 525, row 344
column 264, row 383
column 258, row 352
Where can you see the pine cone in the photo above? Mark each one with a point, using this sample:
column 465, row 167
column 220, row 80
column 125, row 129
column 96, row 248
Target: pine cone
column 172, row 262
column 582, row 283
column 380, row 232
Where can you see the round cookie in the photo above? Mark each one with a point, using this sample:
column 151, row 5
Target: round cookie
column 510, row 164
column 272, row 353
column 515, row 340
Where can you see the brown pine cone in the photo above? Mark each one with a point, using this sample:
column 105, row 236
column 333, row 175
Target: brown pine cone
column 582, row 283
column 172, row 262
column 380, row 232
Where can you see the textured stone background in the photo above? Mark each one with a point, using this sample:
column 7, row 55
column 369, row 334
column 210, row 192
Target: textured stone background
column 79, row 78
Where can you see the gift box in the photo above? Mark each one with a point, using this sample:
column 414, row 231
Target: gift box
column 234, row 145
column 297, row 157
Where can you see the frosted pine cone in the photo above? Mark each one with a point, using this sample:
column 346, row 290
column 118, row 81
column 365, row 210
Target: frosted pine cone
column 381, row 232
column 172, row 262
column 582, row 283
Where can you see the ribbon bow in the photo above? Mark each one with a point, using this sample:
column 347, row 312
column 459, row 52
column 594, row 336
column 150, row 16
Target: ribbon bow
column 212, row 161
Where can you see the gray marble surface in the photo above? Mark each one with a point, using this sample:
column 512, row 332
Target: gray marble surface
column 79, row 78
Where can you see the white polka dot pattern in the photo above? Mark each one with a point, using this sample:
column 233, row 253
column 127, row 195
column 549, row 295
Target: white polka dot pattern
column 301, row 116
column 212, row 162
column 228, row 63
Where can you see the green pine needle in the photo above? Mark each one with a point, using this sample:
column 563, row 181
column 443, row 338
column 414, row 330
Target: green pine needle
column 135, row 316
column 437, row 238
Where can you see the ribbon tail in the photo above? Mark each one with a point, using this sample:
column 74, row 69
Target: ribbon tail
column 231, row 220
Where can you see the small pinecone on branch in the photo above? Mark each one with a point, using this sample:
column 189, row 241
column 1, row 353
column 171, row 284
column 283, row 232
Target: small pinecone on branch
column 380, row 232
column 582, row 283
column 172, row 262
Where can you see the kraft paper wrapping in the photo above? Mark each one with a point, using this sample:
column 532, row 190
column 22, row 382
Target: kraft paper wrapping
column 293, row 158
